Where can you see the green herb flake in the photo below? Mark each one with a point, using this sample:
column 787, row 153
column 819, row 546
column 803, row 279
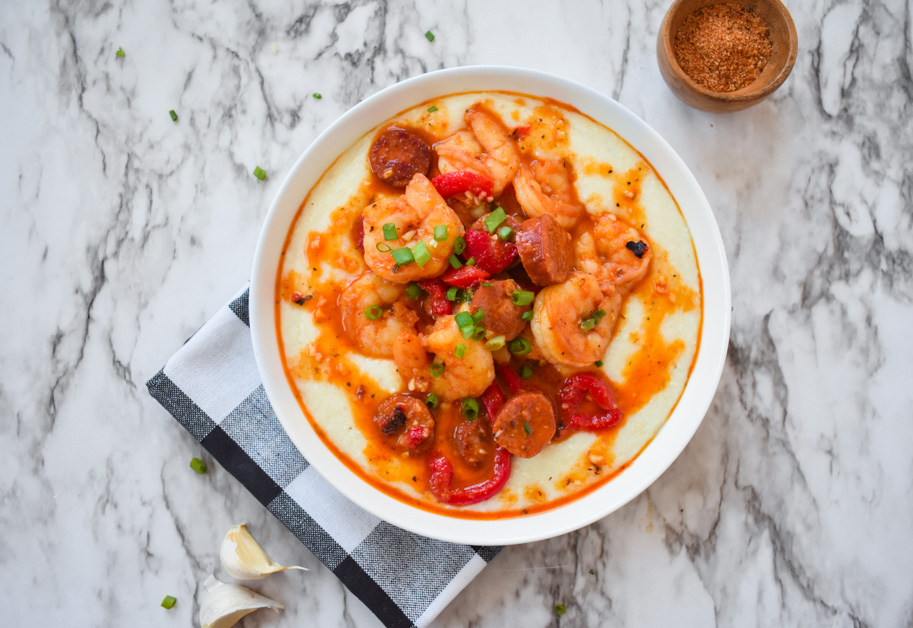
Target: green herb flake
column 470, row 409
column 519, row 346
column 260, row 173
column 173, row 115
column 599, row 364
column 455, row 262
column 432, row 109
column 496, row 343
column 431, row 401
column 523, row 297
column 440, row 233
column 505, row 233
column 452, row 293
column 560, row 609
column 459, row 245
column 422, row 255
column 494, row 219
column 169, row 602
column 437, row 369
column 120, row 53
column 390, row 232
column 429, row 35
column 317, row 95
column 403, row 256
column 459, row 351
column 478, row 317
column 198, row 465
column 414, row 292
column 592, row 573
column 527, row 316
column 526, row 371
column 526, row 428
column 374, row 312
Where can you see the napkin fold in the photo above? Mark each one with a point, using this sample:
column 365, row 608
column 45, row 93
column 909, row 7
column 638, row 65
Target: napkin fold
column 212, row 387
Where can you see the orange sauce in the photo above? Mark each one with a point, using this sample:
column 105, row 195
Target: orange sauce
column 333, row 251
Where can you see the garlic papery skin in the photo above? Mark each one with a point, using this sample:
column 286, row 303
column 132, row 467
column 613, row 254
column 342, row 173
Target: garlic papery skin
column 225, row 604
column 244, row 559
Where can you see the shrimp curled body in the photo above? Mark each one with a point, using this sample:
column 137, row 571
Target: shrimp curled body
column 370, row 294
column 617, row 254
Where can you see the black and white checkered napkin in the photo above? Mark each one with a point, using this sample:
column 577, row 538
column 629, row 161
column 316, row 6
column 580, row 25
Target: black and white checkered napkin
column 212, row 387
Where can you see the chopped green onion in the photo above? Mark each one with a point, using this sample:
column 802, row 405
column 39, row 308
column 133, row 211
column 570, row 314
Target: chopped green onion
column 386, row 247
column 169, row 602
column 459, row 351
column 463, row 318
column 431, row 401
column 560, row 609
column 198, row 465
column 260, row 173
column 467, row 331
column 174, row 117
column 440, row 233
column 470, row 409
column 526, row 371
column 471, row 261
column 505, row 232
column 452, row 294
column 432, row 109
column 414, row 291
column 526, row 428
column 455, row 261
column 587, row 324
column 487, row 285
column 523, row 297
column 599, row 364
column 422, row 256
column 494, row 219
column 478, row 317
column 120, row 53
column 403, row 256
column 374, row 312
column 592, row 573
column 466, row 295
column 519, row 346
column 527, row 316
column 496, row 343
column 429, row 35
column 478, row 333
column 599, row 314
column 390, row 232
column 437, row 369
column 317, row 96
column 459, row 245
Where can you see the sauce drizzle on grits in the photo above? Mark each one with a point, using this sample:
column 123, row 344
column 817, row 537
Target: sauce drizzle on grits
column 340, row 384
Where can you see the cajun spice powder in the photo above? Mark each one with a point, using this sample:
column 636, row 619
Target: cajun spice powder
column 723, row 47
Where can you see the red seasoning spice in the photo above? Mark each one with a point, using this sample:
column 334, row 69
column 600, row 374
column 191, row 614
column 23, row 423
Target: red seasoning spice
column 723, row 47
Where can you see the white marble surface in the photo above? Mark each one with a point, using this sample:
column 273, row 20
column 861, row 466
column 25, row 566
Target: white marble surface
column 123, row 231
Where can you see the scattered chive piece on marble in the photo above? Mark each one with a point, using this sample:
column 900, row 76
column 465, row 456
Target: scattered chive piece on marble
column 169, row 602
column 173, row 115
column 317, row 95
column 198, row 465
column 120, row 53
column 260, row 173
column 560, row 609
column 592, row 573
column 429, row 35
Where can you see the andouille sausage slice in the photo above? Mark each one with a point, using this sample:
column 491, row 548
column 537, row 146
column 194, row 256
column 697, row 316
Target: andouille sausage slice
column 397, row 155
column 502, row 317
column 545, row 249
column 407, row 419
column 473, row 440
column 525, row 424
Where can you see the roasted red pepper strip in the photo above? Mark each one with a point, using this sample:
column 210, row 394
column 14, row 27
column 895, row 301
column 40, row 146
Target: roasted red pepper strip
column 464, row 277
column 436, row 289
column 492, row 399
column 442, row 476
column 453, row 183
column 511, row 379
column 571, row 394
column 491, row 253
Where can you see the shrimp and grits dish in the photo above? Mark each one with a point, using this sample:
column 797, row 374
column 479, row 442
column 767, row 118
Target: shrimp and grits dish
column 488, row 305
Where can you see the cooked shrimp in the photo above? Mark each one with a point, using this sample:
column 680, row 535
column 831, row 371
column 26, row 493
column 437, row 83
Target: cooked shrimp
column 546, row 188
column 415, row 215
column 618, row 255
column 410, row 418
column 485, row 149
column 559, row 312
column 466, row 376
column 362, row 301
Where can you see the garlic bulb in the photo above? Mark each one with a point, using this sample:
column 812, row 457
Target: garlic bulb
column 244, row 559
column 225, row 604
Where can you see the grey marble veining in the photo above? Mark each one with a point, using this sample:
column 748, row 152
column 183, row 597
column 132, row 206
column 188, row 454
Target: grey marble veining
column 122, row 231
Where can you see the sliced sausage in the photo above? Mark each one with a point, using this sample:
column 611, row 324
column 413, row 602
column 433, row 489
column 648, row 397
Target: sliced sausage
column 545, row 249
column 397, row 155
column 525, row 424
column 473, row 440
column 495, row 299
column 408, row 420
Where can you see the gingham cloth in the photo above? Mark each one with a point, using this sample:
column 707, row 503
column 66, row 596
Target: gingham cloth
column 212, row 387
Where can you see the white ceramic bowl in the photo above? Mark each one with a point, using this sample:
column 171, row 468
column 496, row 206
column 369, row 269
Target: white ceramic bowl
column 678, row 429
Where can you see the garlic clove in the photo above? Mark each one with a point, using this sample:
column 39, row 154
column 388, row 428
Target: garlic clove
column 225, row 604
column 244, row 559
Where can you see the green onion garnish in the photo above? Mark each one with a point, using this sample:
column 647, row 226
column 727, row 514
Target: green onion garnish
column 466, row 295
column 198, row 465
column 496, row 343
column 459, row 245
column 599, row 364
column 432, row 109
column 494, row 219
column 561, row 609
column 120, row 53
column 317, row 96
column 470, row 409
column 478, row 333
column 463, row 318
column 519, row 346
column 452, row 294
column 414, row 291
column 487, row 285
column 437, row 369
column 429, row 35
column 422, row 256
column 169, row 602
column 526, row 428
column 478, row 317
column 505, row 232
column 390, row 232
column 260, row 173
column 455, row 261
column 431, row 401
column 374, row 312
column 383, row 247
column 523, row 297
column 526, row 371
column 440, row 233
column 471, row 261
column 599, row 314
column 459, row 351
column 587, row 324
column 527, row 316
column 174, row 117
column 403, row 256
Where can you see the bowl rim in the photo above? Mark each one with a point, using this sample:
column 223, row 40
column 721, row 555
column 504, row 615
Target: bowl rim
column 679, row 427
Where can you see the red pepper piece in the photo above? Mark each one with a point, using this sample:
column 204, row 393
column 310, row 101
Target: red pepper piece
column 436, row 289
column 522, row 131
column 358, row 232
column 491, row 253
column 492, row 399
column 442, row 476
column 453, row 183
column 464, row 277
column 416, row 436
column 571, row 394
column 512, row 380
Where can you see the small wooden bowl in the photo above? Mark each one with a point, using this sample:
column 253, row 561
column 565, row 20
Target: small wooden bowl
column 785, row 47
